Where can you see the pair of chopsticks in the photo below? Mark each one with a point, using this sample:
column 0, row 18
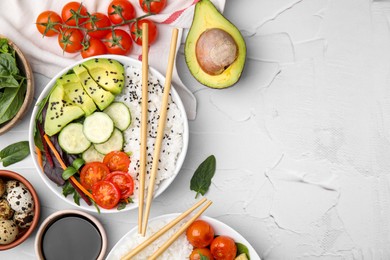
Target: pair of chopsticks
column 143, row 216
column 168, row 226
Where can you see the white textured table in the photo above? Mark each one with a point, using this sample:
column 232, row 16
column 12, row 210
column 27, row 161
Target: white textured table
column 302, row 141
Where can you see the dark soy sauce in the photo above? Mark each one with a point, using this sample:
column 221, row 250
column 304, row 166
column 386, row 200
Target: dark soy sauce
column 71, row 237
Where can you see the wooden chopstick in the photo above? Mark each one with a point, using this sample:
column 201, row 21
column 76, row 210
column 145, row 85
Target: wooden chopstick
column 144, row 123
column 168, row 226
column 161, row 128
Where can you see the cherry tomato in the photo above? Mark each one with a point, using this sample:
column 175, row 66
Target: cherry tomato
column 123, row 181
column 200, row 233
column 119, row 9
column 136, row 31
column 152, row 6
column 106, row 194
column 118, row 42
column 49, row 23
column 198, row 252
column 94, row 47
column 92, row 173
column 117, row 161
column 74, row 13
column 70, row 40
column 96, row 22
column 223, row 247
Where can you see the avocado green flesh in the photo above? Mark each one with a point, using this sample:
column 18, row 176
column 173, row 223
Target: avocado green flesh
column 75, row 94
column 108, row 73
column 206, row 17
column 100, row 96
column 60, row 112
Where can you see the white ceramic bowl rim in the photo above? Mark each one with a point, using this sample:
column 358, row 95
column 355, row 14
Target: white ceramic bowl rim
column 162, row 186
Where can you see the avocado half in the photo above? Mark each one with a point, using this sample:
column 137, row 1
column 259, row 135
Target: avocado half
column 206, row 19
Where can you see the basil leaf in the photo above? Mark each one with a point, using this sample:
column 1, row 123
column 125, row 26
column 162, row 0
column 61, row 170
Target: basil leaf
column 201, row 180
column 11, row 101
column 14, row 153
column 242, row 249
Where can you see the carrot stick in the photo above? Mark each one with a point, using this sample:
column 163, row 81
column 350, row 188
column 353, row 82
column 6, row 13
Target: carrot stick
column 82, row 194
column 39, row 155
column 57, row 155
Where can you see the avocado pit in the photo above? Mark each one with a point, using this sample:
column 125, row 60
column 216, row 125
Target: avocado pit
column 215, row 50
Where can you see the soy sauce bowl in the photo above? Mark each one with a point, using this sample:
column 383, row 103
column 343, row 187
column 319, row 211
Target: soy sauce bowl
column 71, row 234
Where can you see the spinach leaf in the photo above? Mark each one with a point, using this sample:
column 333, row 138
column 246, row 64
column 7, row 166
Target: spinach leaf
column 4, row 47
column 8, row 62
column 201, row 180
column 14, row 153
column 11, row 101
column 242, row 249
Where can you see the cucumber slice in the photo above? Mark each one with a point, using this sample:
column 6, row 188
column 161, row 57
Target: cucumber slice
column 120, row 114
column 91, row 155
column 72, row 140
column 98, row 127
column 115, row 143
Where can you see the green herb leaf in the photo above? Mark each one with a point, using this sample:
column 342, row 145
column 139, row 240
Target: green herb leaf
column 242, row 249
column 8, row 61
column 4, row 47
column 68, row 172
column 201, row 180
column 14, row 153
column 121, row 205
column 76, row 198
column 11, row 101
column 67, row 189
column 203, row 257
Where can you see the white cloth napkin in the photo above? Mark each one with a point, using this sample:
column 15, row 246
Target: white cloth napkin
column 17, row 22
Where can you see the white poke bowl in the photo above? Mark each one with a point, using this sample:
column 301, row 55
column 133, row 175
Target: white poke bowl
column 163, row 185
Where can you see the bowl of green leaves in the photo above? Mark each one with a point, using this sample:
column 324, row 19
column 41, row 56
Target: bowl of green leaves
column 16, row 85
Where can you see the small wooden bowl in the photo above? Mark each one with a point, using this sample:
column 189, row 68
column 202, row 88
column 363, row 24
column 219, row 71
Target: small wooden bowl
column 9, row 175
column 25, row 68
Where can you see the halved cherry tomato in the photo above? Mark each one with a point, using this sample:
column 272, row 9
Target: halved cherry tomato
column 106, row 194
column 152, row 6
column 118, row 42
column 136, row 31
column 95, row 23
column 200, row 233
column 70, row 40
column 223, row 248
column 123, row 181
column 49, row 23
column 198, row 252
column 92, row 173
column 120, row 9
column 94, row 47
column 74, row 13
column 117, row 161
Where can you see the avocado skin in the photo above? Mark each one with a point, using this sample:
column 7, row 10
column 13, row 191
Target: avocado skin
column 206, row 16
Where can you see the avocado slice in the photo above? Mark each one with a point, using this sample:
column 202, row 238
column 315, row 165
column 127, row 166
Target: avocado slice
column 75, row 94
column 108, row 73
column 215, row 50
column 100, row 96
column 59, row 111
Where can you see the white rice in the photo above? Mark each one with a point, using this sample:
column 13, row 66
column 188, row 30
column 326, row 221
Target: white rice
column 173, row 137
column 179, row 250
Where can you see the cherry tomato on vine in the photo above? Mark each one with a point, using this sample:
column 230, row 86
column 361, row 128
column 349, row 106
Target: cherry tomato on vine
column 74, row 13
column 95, row 23
column 118, row 42
column 152, row 6
column 223, row 248
column 49, row 23
column 200, row 233
column 136, row 31
column 120, row 9
column 117, row 161
column 92, row 173
column 198, row 252
column 106, row 194
column 123, row 181
column 93, row 48
column 70, row 40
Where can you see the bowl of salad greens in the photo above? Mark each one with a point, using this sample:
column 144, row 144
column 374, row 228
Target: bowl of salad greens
column 16, row 85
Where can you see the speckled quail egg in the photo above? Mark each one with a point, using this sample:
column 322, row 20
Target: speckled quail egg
column 6, row 212
column 20, row 198
column 12, row 184
column 2, row 187
column 8, row 231
column 23, row 219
